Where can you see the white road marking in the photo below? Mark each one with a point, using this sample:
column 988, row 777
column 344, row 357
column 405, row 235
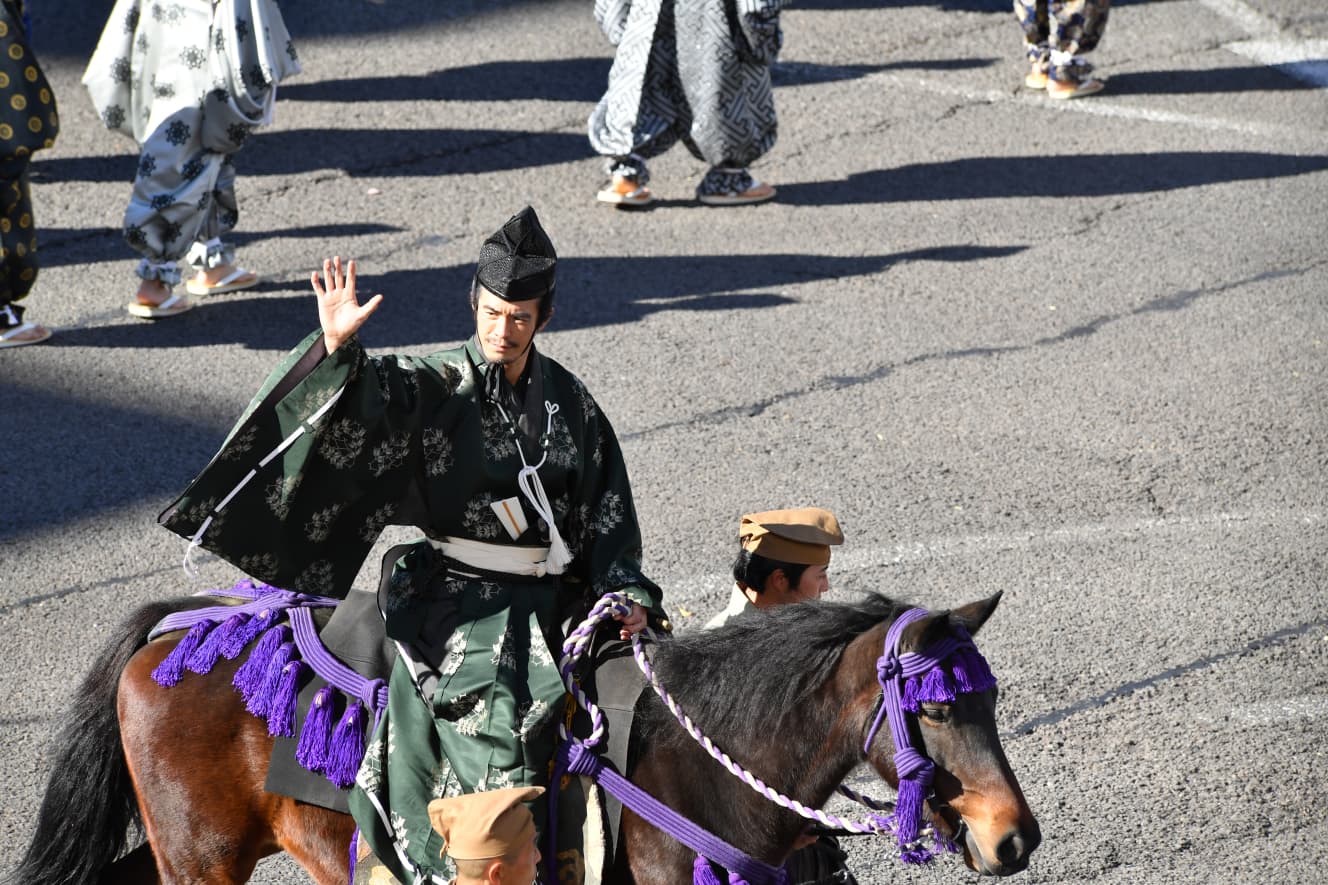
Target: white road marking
column 1099, row 108
column 1303, row 60
column 1250, row 20
column 1313, row 706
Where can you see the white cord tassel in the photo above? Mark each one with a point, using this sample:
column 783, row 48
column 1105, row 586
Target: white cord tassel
column 528, row 479
column 559, row 558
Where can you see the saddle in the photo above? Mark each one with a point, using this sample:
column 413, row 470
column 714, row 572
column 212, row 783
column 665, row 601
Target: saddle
column 353, row 633
column 356, row 634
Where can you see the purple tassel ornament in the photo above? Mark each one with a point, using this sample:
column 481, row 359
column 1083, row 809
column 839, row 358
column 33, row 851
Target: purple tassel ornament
column 909, row 700
column 345, row 752
column 908, row 818
column 704, row 874
column 937, row 687
column 204, row 658
column 261, row 700
column 971, row 672
column 245, row 633
column 312, row 751
column 171, row 668
column 248, row 679
column 281, row 708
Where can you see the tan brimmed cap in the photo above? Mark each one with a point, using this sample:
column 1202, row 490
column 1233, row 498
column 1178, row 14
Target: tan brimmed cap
column 803, row 536
column 481, row 826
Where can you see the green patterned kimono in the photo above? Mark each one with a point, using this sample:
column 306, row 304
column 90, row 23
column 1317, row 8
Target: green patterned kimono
column 416, row 441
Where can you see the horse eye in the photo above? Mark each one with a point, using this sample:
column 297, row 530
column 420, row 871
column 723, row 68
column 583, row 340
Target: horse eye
column 935, row 713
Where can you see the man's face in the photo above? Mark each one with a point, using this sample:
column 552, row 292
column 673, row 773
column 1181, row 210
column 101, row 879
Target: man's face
column 505, row 328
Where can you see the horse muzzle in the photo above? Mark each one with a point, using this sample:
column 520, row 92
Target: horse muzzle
column 1010, row 854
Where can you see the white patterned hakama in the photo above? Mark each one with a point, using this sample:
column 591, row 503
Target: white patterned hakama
column 157, row 77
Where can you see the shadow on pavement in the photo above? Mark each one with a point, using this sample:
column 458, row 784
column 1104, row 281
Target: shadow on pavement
column 975, row 178
column 386, row 151
column 1256, row 78
column 560, row 79
column 64, row 246
column 95, row 454
column 423, row 307
column 946, row 5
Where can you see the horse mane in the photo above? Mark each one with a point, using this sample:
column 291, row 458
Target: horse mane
column 763, row 671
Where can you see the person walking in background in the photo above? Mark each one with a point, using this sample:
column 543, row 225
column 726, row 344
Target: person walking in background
column 188, row 81
column 1056, row 33
column 28, row 122
column 685, row 70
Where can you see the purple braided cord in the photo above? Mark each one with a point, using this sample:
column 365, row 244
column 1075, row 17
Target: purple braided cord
column 574, row 646
column 261, row 598
column 373, row 692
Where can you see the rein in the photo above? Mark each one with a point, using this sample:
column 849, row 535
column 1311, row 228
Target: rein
column 898, row 677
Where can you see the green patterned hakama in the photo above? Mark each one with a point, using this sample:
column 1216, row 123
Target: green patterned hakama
column 415, row 441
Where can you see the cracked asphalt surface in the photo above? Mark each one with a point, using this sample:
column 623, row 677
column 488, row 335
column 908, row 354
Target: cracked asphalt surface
column 1072, row 351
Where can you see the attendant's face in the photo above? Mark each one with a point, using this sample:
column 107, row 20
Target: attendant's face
column 505, row 328
column 813, row 584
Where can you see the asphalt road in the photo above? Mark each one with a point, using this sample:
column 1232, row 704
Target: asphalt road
column 1072, row 351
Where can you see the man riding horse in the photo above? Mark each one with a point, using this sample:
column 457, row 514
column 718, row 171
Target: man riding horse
column 504, row 460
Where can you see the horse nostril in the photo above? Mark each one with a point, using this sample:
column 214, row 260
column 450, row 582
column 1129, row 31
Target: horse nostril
column 1016, row 847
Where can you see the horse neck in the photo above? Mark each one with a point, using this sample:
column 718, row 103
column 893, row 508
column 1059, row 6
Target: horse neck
column 850, row 696
column 820, row 741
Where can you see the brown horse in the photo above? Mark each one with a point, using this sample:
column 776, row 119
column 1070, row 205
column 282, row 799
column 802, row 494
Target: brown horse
column 789, row 694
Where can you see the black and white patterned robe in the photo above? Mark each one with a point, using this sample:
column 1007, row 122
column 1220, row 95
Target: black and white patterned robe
column 188, row 81
column 695, row 70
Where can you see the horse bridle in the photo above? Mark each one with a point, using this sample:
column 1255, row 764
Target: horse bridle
column 914, row 768
column 892, row 668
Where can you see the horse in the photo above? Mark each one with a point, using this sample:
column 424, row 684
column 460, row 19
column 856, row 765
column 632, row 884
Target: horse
column 790, row 694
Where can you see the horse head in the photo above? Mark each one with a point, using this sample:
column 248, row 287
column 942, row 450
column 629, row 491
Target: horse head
column 976, row 799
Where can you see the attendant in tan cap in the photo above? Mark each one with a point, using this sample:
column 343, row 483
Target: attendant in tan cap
column 783, row 558
column 490, row 836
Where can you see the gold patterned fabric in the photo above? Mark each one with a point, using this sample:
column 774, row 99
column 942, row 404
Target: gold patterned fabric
column 28, row 122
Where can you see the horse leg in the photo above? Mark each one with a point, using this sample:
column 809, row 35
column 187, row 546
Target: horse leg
column 318, row 838
column 198, row 760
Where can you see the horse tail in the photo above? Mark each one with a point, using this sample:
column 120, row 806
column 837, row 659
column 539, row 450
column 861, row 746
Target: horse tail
column 84, row 821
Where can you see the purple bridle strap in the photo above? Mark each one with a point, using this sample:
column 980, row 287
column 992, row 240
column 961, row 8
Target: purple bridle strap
column 576, row 758
column 892, row 671
column 915, row 771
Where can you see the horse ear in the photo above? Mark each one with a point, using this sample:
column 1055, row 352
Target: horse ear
column 924, row 631
column 937, row 625
column 972, row 616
